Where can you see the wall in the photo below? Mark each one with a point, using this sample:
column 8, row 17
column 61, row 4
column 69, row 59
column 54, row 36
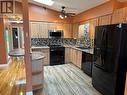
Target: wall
column 3, row 53
column 37, row 13
column 123, row 4
column 101, row 10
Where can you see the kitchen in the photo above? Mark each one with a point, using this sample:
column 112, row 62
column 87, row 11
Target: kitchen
column 76, row 39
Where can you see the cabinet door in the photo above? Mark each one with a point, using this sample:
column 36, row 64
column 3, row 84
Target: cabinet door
column 43, row 30
column 71, row 55
column 67, row 55
column 93, row 23
column 67, row 28
column 40, row 29
column 46, row 53
column 79, row 58
column 105, row 20
column 75, row 30
column 74, row 56
column 34, row 29
column 119, row 16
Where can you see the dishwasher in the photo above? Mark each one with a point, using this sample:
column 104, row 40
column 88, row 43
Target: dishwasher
column 87, row 61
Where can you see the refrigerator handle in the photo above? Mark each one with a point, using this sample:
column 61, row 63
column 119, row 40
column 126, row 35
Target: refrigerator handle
column 97, row 66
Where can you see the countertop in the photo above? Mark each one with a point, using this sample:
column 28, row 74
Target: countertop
column 17, row 52
column 68, row 46
column 85, row 50
column 20, row 52
column 39, row 47
column 89, row 50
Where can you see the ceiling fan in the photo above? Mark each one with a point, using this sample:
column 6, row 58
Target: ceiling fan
column 63, row 13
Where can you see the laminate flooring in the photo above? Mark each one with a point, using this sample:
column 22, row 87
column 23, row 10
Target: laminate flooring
column 64, row 79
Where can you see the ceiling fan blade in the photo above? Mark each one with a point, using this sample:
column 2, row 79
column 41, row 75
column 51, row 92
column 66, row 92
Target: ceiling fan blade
column 71, row 14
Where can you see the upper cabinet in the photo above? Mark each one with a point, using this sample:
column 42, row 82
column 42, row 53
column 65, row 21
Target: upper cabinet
column 40, row 29
column 105, row 20
column 67, row 28
column 75, row 29
column 119, row 16
column 93, row 23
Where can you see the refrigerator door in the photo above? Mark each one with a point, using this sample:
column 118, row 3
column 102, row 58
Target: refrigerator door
column 107, row 40
column 108, row 78
column 99, row 47
column 112, row 48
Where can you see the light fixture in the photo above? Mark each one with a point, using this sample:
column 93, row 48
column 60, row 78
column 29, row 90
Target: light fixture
column 63, row 16
column 46, row 2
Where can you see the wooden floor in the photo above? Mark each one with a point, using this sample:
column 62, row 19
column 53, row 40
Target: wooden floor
column 66, row 80
column 58, row 80
column 11, row 79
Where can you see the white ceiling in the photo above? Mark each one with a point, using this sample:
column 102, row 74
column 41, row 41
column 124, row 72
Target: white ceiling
column 76, row 6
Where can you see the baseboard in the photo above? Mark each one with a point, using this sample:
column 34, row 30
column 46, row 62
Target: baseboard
column 5, row 65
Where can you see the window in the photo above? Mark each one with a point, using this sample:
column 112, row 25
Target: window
column 7, row 41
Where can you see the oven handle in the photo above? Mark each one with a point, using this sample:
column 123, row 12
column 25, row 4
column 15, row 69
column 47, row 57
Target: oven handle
column 52, row 50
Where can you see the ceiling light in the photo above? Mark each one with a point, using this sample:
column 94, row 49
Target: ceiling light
column 65, row 16
column 46, row 2
column 61, row 16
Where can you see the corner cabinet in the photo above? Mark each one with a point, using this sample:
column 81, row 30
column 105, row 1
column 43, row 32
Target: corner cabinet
column 74, row 56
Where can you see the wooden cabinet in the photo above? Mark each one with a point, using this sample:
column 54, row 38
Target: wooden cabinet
column 34, row 29
column 74, row 56
column 67, row 28
column 79, row 58
column 40, row 29
column 105, row 20
column 75, row 30
column 46, row 52
column 119, row 16
column 67, row 55
column 93, row 23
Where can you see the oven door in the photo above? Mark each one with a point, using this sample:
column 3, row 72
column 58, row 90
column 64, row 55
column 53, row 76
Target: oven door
column 56, row 56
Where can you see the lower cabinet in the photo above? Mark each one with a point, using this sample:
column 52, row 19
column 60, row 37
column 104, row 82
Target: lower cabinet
column 67, row 55
column 73, row 56
column 46, row 52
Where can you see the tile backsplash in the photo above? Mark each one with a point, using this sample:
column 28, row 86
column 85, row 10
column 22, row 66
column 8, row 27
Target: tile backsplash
column 52, row 41
column 62, row 41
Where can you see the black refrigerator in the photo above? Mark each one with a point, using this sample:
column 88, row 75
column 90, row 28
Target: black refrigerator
column 110, row 59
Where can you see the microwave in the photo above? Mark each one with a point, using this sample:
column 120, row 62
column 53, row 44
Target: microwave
column 55, row 34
